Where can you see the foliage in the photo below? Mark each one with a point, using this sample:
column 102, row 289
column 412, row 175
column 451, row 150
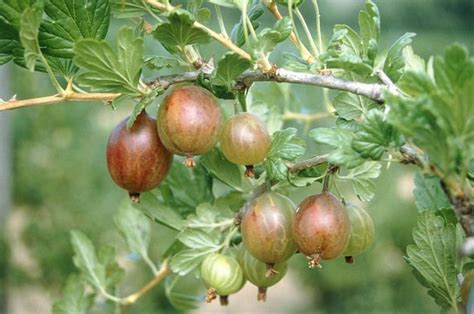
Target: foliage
column 426, row 106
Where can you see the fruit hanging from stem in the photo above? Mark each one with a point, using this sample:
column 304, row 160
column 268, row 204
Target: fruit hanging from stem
column 266, row 229
column 189, row 121
column 136, row 158
column 245, row 141
column 256, row 272
column 321, row 228
column 222, row 275
column 362, row 232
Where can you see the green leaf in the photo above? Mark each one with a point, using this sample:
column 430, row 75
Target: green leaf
column 9, row 41
column 179, row 32
column 12, row 10
column 349, row 62
column 30, row 22
column 369, row 24
column 228, row 69
column 127, row 9
column 208, row 217
column 413, row 62
column 135, row 228
column 433, row 258
column 198, row 185
column 362, row 177
column 227, row 172
column 144, row 102
column 286, row 146
column 268, row 38
column 69, row 21
column 162, row 62
column 294, row 62
column 375, row 136
column 349, row 41
column 187, row 260
column 94, row 269
column 86, row 260
column 181, row 301
column 107, row 70
column 114, row 274
column 428, row 193
column 161, row 213
column 74, row 299
column 395, row 61
column 198, row 238
column 267, row 104
column 348, row 106
column 253, row 14
column 439, row 115
column 341, row 140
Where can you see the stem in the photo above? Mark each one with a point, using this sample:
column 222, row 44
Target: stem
column 293, row 24
column 304, row 52
column 15, row 104
column 318, row 24
column 307, row 32
column 289, row 115
column 308, row 163
column 149, row 262
column 225, row 41
column 159, row 277
column 250, row 27
column 372, row 91
column 220, row 20
column 388, row 82
column 51, row 75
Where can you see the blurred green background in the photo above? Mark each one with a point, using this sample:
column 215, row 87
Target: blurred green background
column 60, row 182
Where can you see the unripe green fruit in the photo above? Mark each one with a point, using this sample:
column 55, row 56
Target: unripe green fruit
column 222, row 273
column 189, row 121
column 245, row 139
column 362, row 231
column 321, row 227
column 136, row 158
column 257, row 273
column 266, row 228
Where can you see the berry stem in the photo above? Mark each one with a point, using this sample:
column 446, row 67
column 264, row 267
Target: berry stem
column 134, row 197
column 262, row 294
column 224, row 299
column 249, row 171
column 189, row 161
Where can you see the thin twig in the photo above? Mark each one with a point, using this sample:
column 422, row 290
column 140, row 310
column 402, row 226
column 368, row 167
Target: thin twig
column 387, row 81
column 304, row 52
column 159, row 277
column 221, row 38
column 290, row 115
column 372, row 91
column 307, row 32
column 308, row 163
column 40, row 101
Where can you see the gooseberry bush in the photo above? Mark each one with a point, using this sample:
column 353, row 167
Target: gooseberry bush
column 214, row 165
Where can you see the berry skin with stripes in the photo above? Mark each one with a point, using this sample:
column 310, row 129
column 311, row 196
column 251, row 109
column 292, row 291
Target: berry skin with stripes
column 321, row 228
column 266, row 228
column 245, row 139
column 362, row 232
column 137, row 160
column 223, row 276
column 189, row 121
